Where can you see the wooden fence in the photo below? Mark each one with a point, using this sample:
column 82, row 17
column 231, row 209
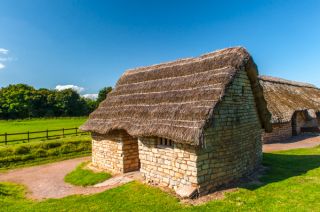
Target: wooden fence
column 45, row 134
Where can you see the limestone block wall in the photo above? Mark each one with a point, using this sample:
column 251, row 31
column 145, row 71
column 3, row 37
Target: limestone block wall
column 280, row 132
column 168, row 166
column 116, row 153
column 233, row 146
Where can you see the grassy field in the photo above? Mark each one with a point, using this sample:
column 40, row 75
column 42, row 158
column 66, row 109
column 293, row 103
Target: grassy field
column 39, row 151
column 16, row 126
column 292, row 183
column 85, row 177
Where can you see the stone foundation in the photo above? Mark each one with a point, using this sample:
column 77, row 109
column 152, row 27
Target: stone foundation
column 280, row 132
column 117, row 153
column 168, row 166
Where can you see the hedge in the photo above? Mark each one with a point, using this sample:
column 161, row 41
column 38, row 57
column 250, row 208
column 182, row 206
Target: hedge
column 25, row 153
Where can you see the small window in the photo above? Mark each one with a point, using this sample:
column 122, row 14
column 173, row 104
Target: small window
column 163, row 142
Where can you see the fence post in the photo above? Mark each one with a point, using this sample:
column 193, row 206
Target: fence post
column 47, row 134
column 62, row 132
column 28, row 136
column 76, row 131
column 5, row 138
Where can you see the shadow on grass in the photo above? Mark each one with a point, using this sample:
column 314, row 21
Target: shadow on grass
column 283, row 166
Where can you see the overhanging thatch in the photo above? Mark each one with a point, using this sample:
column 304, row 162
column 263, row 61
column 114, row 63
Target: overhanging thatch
column 174, row 100
column 284, row 97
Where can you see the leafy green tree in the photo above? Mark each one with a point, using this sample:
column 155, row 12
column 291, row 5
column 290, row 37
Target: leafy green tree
column 91, row 105
column 69, row 103
column 103, row 94
column 16, row 101
column 24, row 101
column 41, row 106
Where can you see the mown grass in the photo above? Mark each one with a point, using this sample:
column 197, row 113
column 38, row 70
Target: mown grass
column 292, row 183
column 44, row 152
column 22, row 125
column 84, row 177
column 41, row 124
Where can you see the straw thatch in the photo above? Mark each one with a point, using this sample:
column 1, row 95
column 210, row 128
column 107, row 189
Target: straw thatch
column 285, row 97
column 174, row 100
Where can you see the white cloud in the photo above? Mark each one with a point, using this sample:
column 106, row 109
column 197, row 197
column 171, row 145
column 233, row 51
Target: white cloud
column 73, row 87
column 4, row 51
column 4, row 59
column 92, row 96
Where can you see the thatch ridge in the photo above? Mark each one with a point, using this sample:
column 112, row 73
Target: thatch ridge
column 285, row 97
column 286, row 82
column 182, row 61
column 174, row 100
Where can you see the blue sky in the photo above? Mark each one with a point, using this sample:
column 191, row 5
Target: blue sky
column 90, row 43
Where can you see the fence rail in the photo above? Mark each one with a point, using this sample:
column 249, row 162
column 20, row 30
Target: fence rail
column 28, row 135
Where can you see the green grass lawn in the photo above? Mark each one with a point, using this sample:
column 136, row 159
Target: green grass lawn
column 16, row 126
column 34, row 153
column 292, row 183
column 84, row 177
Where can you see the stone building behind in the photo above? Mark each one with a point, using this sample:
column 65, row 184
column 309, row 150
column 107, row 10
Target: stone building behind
column 193, row 124
column 294, row 106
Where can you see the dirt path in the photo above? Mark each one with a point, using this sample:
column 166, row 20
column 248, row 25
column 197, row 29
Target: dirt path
column 47, row 181
column 294, row 143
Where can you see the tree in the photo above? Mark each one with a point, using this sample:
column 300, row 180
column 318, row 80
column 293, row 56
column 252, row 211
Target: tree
column 91, row 105
column 69, row 103
column 41, row 106
column 16, row 101
column 103, row 94
column 24, row 101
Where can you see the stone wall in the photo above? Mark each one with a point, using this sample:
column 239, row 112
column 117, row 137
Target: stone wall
column 168, row 166
column 116, row 153
column 280, row 132
column 233, row 146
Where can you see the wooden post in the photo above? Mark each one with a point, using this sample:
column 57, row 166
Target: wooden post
column 47, row 134
column 28, row 136
column 5, row 138
column 76, row 131
column 62, row 132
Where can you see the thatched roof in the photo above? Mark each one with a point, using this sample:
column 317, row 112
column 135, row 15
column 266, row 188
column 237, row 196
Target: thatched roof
column 174, row 100
column 285, row 97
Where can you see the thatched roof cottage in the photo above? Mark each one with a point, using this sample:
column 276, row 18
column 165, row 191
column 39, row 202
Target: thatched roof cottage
column 295, row 107
column 193, row 124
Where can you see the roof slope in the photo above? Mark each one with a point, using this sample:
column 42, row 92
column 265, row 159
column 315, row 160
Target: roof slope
column 284, row 97
column 173, row 100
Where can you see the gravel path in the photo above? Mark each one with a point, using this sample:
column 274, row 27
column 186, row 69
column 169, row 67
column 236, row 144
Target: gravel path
column 47, row 181
column 297, row 142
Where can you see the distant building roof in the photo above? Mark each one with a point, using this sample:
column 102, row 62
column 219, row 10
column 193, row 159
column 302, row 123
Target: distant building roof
column 284, row 97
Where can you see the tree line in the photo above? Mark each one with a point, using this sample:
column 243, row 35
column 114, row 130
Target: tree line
column 23, row 101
